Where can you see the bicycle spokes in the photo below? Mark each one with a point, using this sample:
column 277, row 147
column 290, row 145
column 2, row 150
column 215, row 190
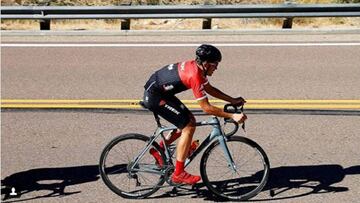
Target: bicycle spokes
column 123, row 175
column 239, row 179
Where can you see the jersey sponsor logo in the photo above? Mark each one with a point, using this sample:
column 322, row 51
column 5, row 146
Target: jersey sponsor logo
column 172, row 109
column 202, row 90
column 201, row 87
column 171, row 66
column 168, row 87
column 182, row 66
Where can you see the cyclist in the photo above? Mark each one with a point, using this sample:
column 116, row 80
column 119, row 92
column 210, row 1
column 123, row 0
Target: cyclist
column 159, row 97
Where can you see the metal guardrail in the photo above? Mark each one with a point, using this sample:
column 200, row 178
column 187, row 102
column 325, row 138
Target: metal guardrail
column 207, row 12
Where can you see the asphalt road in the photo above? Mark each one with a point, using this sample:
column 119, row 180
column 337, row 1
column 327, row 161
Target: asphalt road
column 52, row 156
column 264, row 72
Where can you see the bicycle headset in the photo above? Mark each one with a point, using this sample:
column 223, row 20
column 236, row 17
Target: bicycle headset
column 207, row 53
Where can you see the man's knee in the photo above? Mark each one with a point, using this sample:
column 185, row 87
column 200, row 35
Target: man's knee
column 192, row 123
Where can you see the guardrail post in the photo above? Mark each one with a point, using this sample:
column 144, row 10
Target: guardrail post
column 206, row 23
column 287, row 24
column 125, row 24
column 45, row 24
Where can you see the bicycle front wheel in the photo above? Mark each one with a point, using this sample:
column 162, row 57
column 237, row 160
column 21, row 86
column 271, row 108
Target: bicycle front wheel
column 246, row 180
column 122, row 175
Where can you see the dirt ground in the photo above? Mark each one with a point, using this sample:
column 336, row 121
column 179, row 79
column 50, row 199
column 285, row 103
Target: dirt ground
column 173, row 24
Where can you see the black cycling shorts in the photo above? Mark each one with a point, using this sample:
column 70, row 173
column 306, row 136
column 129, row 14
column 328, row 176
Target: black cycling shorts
column 169, row 107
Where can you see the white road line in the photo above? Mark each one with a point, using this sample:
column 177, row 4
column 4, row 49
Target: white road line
column 180, row 45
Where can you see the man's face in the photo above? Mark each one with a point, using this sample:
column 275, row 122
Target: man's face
column 210, row 67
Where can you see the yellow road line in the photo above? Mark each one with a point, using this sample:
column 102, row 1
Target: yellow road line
column 69, row 100
column 291, row 101
column 261, row 101
column 191, row 104
column 70, row 106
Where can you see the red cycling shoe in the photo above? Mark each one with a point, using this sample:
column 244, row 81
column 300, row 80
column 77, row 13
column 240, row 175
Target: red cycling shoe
column 185, row 178
column 157, row 157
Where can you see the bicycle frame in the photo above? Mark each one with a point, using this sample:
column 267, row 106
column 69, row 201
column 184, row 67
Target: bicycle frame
column 217, row 133
column 146, row 173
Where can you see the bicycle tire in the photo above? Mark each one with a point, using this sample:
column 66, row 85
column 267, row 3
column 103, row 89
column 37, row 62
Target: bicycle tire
column 134, row 143
column 248, row 186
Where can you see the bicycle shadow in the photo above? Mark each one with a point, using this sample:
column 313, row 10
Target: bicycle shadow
column 319, row 178
column 54, row 180
column 314, row 179
column 284, row 180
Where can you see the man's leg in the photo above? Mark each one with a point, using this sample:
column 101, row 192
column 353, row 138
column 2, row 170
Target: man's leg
column 185, row 141
column 170, row 138
column 174, row 111
column 180, row 176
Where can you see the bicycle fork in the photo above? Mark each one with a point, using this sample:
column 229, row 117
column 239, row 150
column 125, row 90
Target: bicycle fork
column 222, row 142
column 228, row 156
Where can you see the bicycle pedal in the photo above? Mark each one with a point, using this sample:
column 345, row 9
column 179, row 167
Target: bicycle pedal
column 272, row 193
column 177, row 184
column 171, row 183
column 173, row 192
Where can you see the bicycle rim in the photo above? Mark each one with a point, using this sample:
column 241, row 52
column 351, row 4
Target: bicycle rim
column 115, row 167
column 250, row 176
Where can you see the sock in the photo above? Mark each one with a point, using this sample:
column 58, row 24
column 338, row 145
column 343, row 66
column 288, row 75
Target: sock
column 179, row 167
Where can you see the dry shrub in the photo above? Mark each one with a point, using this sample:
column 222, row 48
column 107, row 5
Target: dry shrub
column 162, row 24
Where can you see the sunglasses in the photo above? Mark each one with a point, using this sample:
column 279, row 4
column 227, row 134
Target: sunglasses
column 213, row 64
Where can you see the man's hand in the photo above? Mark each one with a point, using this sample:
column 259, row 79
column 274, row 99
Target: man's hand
column 239, row 118
column 238, row 101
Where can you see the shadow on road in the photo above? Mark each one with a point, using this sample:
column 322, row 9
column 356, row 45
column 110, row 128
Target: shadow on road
column 316, row 179
column 54, row 180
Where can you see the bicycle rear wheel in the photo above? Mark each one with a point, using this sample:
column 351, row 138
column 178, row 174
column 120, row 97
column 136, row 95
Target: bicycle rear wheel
column 250, row 176
column 122, row 176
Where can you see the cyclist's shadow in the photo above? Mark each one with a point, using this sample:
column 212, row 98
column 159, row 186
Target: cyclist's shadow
column 54, row 180
column 319, row 179
column 284, row 180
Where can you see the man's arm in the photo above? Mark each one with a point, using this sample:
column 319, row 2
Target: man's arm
column 213, row 91
column 213, row 110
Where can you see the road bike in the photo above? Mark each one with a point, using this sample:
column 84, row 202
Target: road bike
column 232, row 167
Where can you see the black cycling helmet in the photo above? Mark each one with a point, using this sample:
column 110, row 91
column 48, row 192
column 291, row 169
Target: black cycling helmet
column 208, row 53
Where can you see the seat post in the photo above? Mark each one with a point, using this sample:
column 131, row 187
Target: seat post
column 157, row 120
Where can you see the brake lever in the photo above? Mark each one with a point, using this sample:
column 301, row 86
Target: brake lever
column 242, row 111
column 231, row 109
column 243, row 126
column 236, row 110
